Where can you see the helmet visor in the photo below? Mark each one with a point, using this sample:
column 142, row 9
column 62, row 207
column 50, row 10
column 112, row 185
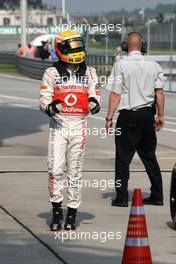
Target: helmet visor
column 71, row 46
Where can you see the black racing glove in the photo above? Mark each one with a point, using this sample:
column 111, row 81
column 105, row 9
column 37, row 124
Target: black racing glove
column 94, row 106
column 54, row 108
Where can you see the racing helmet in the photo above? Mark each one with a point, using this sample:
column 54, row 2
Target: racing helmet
column 70, row 47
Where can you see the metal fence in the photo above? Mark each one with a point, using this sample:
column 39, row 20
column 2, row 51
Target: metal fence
column 159, row 36
column 36, row 67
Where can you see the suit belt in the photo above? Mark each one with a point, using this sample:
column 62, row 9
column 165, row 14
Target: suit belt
column 147, row 108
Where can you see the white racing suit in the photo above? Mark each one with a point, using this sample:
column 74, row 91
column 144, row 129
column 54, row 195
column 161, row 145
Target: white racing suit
column 67, row 132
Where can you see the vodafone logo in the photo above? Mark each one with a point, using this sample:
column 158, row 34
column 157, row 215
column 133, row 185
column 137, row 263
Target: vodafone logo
column 70, row 99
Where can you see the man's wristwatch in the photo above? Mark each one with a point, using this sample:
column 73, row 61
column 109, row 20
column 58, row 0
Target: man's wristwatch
column 108, row 119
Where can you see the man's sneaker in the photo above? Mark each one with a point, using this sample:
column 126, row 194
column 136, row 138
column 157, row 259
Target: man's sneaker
column 118, row 203
column 57, row 218
column 70, row 223
column 150, row 201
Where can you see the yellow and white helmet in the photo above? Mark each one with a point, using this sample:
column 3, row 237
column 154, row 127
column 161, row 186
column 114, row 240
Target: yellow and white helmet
column 70, row 47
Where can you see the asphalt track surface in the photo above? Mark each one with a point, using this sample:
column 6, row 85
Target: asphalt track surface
column 25, row 211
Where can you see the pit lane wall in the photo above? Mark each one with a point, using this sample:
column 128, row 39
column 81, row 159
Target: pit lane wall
column 35, row 67
column 7, row 58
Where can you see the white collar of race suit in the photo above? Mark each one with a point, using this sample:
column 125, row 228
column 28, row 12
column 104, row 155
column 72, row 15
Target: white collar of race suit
column 134, row 52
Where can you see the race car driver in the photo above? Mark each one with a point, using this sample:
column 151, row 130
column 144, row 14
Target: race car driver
column 69, row 91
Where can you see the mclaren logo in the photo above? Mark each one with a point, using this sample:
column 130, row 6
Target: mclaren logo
column 70, row 99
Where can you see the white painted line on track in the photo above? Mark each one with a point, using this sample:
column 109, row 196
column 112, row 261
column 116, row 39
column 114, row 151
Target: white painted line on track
column 100, row 118
column 166, row 158
column 104, row 111
column 170, row 123
column 23, row 157
column 24, row 106
column 8, row 76
column 114, row 120
column 18, row 98
column 92, row 117
column 93, row 157
column 170, row 117
column 169, row 129
column 97, row 117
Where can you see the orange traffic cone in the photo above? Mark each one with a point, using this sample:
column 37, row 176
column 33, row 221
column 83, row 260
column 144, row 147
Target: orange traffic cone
column 137, row 249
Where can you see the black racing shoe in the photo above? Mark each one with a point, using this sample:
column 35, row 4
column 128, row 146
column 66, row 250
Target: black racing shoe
column 150, row 201
column 56, row 224
column 70, row 223
column 118, row 203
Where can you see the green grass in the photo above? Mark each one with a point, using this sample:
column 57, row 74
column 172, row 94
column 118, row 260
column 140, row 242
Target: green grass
column 8, row 68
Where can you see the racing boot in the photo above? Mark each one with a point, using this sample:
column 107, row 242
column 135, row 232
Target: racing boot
column 57, row 219
column 70, row 223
